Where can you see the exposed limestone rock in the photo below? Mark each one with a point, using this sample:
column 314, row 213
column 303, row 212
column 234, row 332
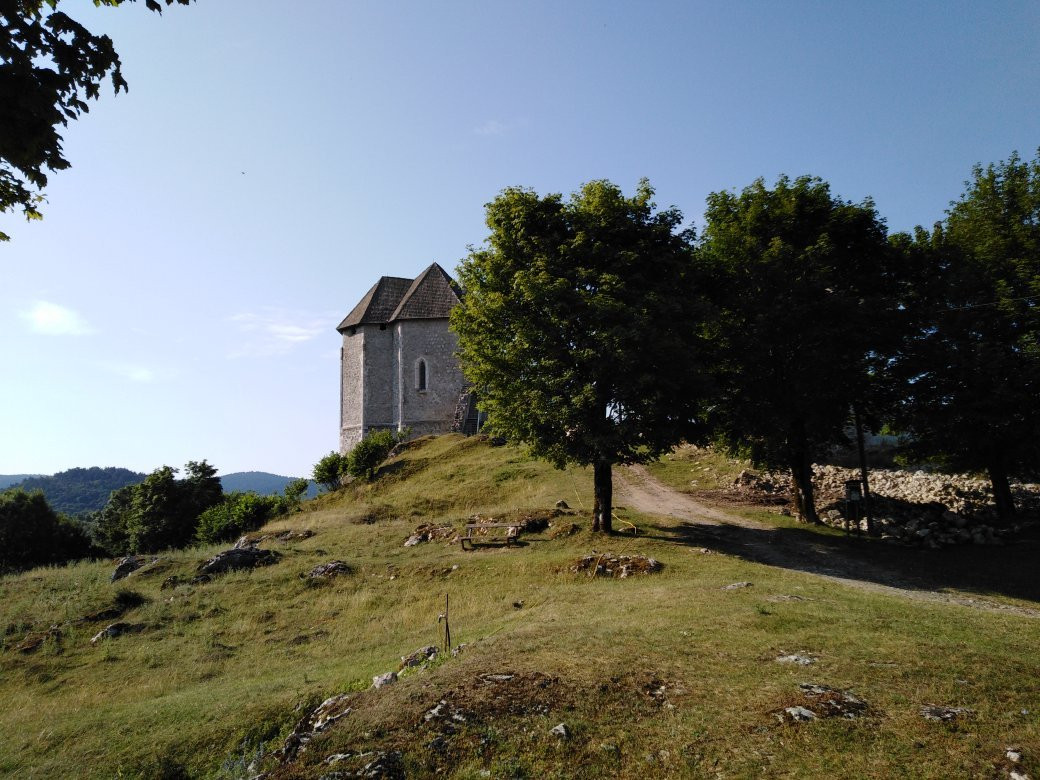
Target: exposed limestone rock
column 444, row 711
column 428, row 533
column 561, row 731
column 822, row 701
column 383, row 680
column 619, row 566
column 252, row 540
column 33, row 641
column 328, row 570
column 128, row 565
column 313, row 723
column 946, row 714
column 385, row 766
column 737, row 586
column 419, row 657
column 238, row 558
column 796, row 658
column 798, row 714
column 116, row 630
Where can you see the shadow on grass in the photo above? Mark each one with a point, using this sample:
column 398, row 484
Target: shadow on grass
column 1009, row 570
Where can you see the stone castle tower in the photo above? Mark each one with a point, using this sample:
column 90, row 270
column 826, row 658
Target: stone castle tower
column 397, row 366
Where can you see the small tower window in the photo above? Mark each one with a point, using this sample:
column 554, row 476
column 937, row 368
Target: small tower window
column 420, row 375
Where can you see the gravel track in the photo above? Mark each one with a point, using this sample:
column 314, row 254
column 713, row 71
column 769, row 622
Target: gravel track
column 707, row 526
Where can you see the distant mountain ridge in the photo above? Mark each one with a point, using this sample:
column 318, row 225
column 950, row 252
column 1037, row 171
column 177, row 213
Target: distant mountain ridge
column 8, row 480
column 261, row 482
column 80, row 490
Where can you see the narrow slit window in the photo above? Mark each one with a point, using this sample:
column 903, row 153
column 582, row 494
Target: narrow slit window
column 420, row 380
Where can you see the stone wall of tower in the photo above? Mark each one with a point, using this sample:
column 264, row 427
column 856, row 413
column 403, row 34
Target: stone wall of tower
column 351, row 388
column 379, row 406
column 380, row 379
column 433, row 409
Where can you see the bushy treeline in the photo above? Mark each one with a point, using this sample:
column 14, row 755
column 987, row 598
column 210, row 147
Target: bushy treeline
column 822, row 320
column 241, row 512
column 600, row 332
column 159, row 512
column 163, row 511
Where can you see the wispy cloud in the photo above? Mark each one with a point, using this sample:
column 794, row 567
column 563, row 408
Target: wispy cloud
column 135, row 373
column 275, row 332
column 55, row 320
column 490, row 127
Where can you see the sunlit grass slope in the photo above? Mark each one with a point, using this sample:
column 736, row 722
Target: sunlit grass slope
column 664, row 675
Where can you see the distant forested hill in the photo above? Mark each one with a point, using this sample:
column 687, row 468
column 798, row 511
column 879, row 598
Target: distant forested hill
column 80, row 490
column 260, row 482
column 6, row 480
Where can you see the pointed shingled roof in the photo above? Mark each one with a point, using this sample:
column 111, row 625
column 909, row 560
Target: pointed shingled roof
column 378, row 303
column 432, row 295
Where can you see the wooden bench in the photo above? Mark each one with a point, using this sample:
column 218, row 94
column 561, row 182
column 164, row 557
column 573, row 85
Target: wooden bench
column 512, row 533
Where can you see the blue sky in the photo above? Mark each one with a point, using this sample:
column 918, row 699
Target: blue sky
column 272, row 160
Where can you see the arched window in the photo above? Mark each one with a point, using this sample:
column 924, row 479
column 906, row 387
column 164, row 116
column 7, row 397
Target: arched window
column 420, row 375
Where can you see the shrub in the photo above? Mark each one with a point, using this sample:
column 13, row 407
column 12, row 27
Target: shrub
column 370, row 452
column 237, row 514
column 329, row 469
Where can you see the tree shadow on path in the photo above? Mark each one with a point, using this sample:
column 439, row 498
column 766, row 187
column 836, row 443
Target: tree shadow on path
column 1010, row 571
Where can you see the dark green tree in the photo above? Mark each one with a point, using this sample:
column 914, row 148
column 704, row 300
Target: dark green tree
column 32, row 534
column 109, row 524
column 969, row 370
column 159, row 512
column 200, row 489
column 50, row 65
column 806, row 287
column 293, row 493
column 579, row 327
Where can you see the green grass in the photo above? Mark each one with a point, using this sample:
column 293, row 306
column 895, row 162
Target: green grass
column 222, row 669
column 698, row 469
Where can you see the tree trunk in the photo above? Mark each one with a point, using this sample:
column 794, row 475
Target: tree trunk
column 603, row 490
column 804, row 502
column 867, row 509
column 1001, row 492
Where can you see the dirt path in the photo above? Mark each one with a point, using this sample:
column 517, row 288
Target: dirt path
column 823, row 556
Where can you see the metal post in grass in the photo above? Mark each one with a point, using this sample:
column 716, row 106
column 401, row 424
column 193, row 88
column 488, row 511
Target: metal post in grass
column 447, row 628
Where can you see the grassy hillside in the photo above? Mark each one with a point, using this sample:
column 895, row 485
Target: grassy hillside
column 663, row 675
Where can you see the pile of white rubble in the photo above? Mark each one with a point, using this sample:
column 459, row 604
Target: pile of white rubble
column 912, row 507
